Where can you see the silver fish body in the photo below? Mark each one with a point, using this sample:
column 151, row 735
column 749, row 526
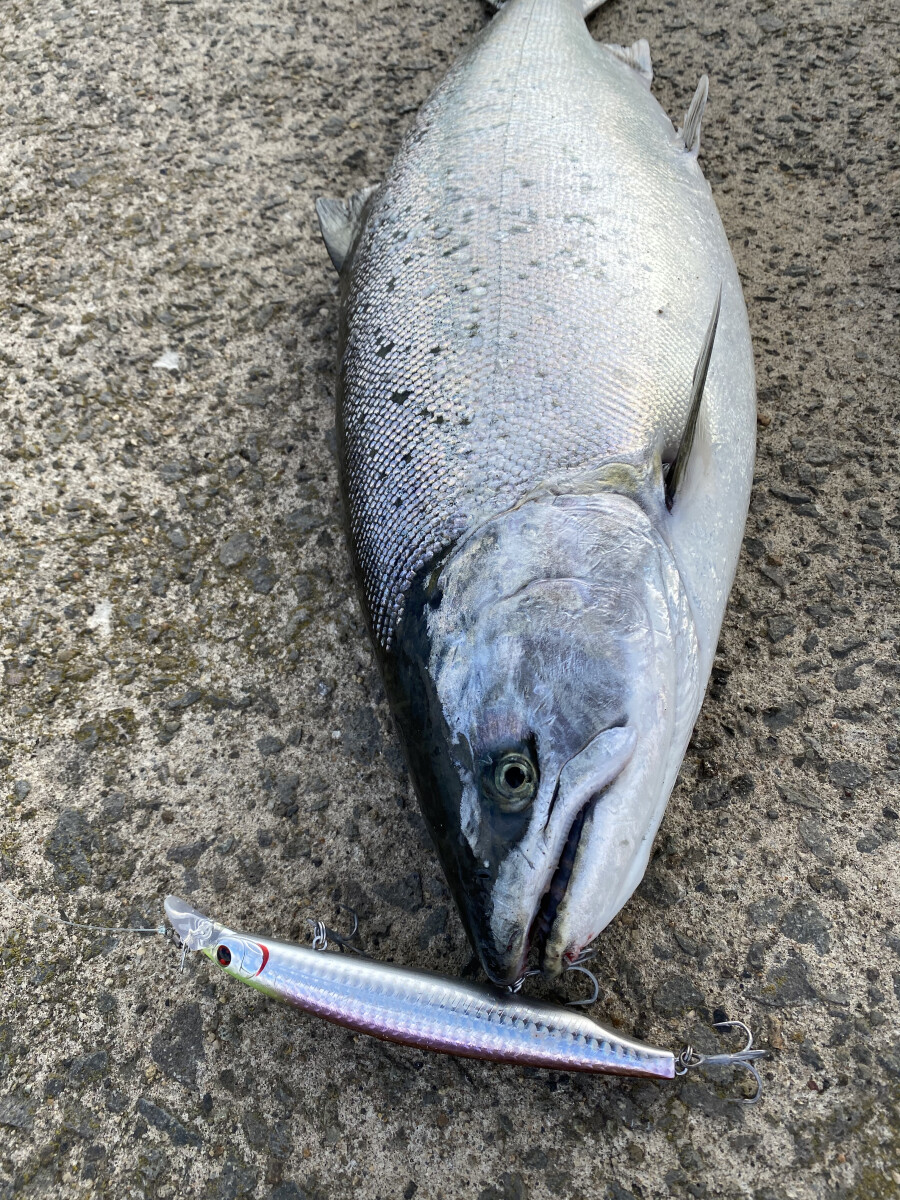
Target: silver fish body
column 524, row 300
column 418, row 1008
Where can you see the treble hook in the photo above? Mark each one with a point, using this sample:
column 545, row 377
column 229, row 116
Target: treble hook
column 590, row 951
column 179, row 944
column 322, row 935
column 689, row 1058
column 577, row 966
column 515, row 988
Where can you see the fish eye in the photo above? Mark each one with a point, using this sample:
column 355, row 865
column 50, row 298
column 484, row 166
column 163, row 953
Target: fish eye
column 515, row 781
column 223, row 956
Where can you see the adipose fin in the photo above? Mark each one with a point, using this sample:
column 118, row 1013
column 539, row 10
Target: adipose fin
column 587, row 6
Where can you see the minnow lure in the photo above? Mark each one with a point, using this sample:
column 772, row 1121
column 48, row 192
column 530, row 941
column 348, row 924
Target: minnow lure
column 423, row 1009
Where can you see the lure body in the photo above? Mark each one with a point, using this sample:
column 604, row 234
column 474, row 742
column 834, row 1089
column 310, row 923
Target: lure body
column 525, row 299
column 418, row 1008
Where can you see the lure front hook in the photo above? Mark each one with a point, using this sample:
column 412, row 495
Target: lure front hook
column 582, row 970
column 689, row 1058
column 513, row 989
column 322, row 935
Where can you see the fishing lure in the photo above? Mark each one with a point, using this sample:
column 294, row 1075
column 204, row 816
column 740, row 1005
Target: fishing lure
column 422, row 1009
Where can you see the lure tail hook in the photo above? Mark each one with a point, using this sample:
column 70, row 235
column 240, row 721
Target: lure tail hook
column 689, row 1058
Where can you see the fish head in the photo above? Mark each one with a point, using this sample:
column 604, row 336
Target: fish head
column 553, row 717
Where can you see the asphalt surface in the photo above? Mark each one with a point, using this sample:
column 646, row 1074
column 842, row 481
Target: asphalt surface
column 190, row 703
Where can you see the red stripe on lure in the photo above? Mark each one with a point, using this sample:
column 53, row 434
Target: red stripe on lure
column 265, row 954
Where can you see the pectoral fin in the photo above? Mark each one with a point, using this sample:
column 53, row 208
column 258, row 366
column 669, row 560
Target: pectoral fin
column 679, row 463
column 694, row 115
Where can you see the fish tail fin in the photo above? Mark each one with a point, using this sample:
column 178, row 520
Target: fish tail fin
column 587, row 7
column 340, row 221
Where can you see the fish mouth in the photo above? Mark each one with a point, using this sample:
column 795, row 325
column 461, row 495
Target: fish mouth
column 552, row 898
column 603, row 760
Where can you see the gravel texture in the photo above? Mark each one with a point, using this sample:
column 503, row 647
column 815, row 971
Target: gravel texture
column 189, row 699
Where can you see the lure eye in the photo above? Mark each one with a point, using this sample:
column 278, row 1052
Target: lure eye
column 515, row 781
column 223, row 956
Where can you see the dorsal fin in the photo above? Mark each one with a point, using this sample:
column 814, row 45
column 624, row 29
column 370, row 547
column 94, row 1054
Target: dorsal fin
column 339, row 221
column 694, row 115
column 679, row 463
column 636, row 56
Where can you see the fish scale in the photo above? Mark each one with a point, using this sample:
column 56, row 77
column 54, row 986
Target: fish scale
column 530, row 222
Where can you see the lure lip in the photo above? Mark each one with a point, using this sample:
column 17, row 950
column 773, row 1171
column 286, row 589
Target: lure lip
column 196, row 931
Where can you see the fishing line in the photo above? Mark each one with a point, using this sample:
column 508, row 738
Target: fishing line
column 158, row 929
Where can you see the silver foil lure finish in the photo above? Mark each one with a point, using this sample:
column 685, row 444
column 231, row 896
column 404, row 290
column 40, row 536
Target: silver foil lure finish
column 546, row 419
column 418, row 1008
